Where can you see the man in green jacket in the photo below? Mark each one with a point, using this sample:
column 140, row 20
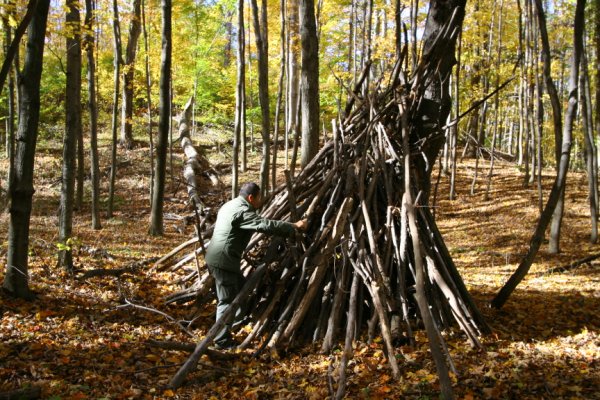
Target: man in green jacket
column 236, row 222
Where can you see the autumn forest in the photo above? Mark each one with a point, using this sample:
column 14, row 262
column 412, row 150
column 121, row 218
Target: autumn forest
column 443, row 154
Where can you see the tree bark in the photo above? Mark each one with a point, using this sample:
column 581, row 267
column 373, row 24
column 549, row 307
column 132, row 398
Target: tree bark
column 72, row 132
column 282, row 73
column 591, row 160
column 13, row 48
column 262, row 48
column 239, row 100
column 148, row 99
column 156, row 225
column 496, row 100
column 117, row 62
column 309, row 82
column 293, row 72
column 21, row 189
column 559, row 183
column 93, row 110
column 135, row 28
column 12, row 109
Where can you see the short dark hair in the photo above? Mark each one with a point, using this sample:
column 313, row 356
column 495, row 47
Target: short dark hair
column 249, row 188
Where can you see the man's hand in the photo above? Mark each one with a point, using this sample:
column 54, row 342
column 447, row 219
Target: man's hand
column 301, row 225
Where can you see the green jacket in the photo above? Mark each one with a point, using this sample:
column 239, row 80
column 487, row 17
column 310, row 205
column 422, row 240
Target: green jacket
column 237, row 220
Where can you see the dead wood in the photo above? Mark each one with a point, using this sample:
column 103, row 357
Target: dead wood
column 190, row 347
column 131, row 268
column 372, row 257
column 571, row 266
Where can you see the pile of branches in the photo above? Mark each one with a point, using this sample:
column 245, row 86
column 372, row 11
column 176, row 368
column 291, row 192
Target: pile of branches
column 372, row 261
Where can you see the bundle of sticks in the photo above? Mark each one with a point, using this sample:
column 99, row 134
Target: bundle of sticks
column 372, row 260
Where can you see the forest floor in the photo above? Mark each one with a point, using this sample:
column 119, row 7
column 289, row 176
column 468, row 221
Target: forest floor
column 87, row 338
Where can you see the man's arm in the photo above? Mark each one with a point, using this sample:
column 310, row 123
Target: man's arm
column 252, row 221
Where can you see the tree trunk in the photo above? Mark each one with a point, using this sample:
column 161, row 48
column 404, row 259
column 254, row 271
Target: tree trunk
column 93, row 109
column 148, row 99
column 135, row 27
column 496, row 100
column 239, row 99
column 414, row 13
column 12, row 109
column 279, row 96
column 13, row 48
column 590, row 146
column 262, row 48
column 310, row 82
column 293, row 72
column 117, row 62
column 597, row 76
column 454, row 128
column 72, row 132
column 21, row 189
column 559, row 183
column 164, row 106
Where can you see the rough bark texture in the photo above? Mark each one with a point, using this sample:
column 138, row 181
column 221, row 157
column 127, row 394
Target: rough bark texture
column 93, row 110
column 21, row 189
column 72, row 132
column 135, row 28
column 293, row 71
column 13, row 48
column 117, row 62
column 260, row 33
column 239, row 100
column 309, row 82
column 194, row 165
column 164, row 105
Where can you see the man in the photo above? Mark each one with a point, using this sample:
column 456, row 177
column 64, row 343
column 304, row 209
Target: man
column 237, row 220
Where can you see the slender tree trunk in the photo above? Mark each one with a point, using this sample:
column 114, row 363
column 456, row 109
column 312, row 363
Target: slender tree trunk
column 7, row 39
column 243, row 122
column 539, row 117
column 454, row 128
column 239, row 99
column 597, row 76
column 117, row 62
column 21, row 189
column 590, row 146
column 148, row 99
column 72, row 132
column 93, row 109
column 496, row 100
column 293, row 74
column 262, row 48
column 128, row 81
column 279, row 95
column 164, row 105
column 80, row 177
column 556, row 224
column 559, row 183
column 414, row 12
column 13, row 49
column 12, row 109
column 310, row 82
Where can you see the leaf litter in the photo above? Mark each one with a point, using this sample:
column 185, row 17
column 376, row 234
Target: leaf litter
column 78, row 341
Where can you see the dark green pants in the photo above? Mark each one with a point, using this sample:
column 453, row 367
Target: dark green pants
column 228, row 284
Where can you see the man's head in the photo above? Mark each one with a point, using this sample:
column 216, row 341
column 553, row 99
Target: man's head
column 251, row 192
